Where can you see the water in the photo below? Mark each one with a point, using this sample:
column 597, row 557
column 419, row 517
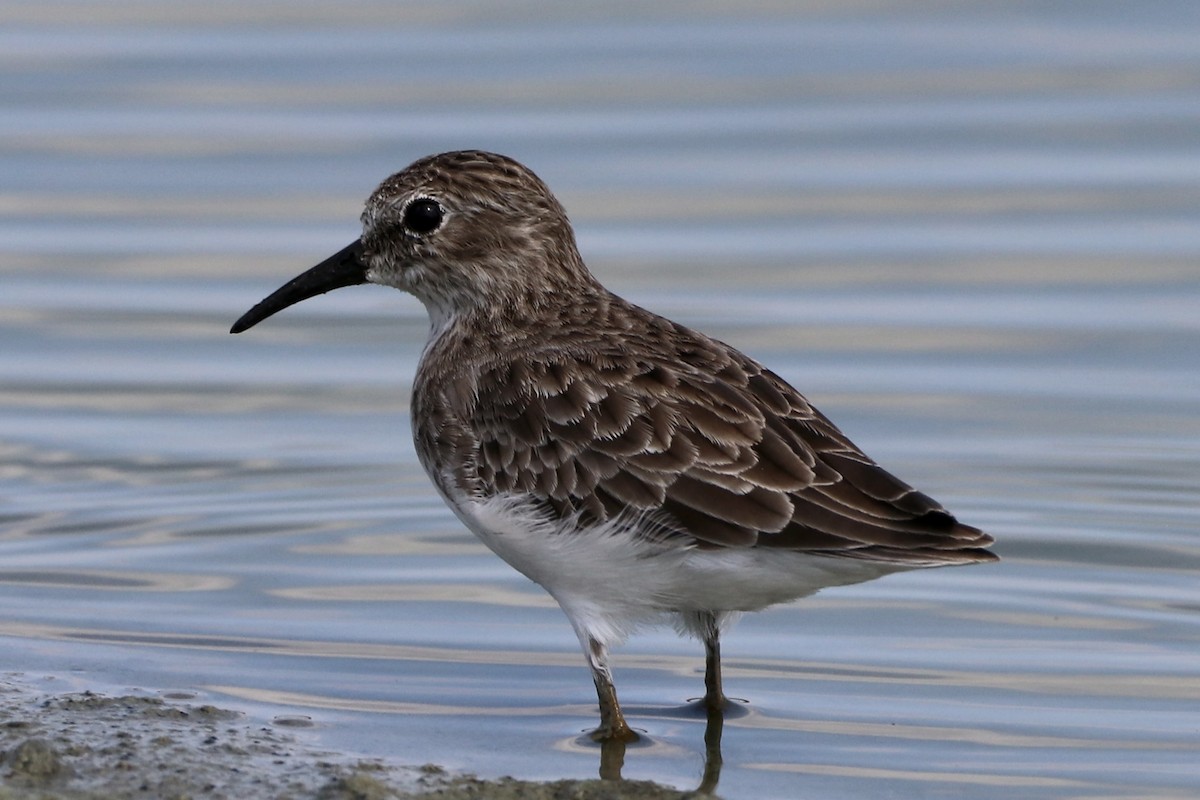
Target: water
column 968, row 233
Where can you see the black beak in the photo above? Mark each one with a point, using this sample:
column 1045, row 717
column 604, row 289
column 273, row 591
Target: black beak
column 343, row 268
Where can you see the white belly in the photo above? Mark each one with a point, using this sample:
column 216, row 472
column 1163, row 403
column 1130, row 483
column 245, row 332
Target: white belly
column 612, row 577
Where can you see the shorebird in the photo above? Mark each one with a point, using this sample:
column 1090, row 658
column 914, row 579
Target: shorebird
column 638, row 470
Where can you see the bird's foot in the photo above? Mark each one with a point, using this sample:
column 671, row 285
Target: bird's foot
column 615, row 731
column 716, row 702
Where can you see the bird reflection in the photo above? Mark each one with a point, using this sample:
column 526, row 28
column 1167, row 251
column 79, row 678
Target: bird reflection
column 612, row 753
column 713, row 729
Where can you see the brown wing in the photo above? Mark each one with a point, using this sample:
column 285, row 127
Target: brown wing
column 721, row 449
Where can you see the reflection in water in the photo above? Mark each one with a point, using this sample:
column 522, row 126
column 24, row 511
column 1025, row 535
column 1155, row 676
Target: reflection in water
column 1143, row 685
column 891, row 777
column 612, row 752
column 712, row 751
column 117, row 581
column 421, row 593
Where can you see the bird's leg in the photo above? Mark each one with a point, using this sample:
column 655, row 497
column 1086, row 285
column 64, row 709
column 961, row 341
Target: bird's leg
column 714, row 695
column 612, row 722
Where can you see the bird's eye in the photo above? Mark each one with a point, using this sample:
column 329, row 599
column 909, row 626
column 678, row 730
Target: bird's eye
column 423, row 215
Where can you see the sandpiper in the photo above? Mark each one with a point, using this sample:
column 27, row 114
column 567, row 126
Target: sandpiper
column 636, row 469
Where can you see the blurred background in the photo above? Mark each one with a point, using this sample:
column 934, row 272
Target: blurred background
column 968, row 231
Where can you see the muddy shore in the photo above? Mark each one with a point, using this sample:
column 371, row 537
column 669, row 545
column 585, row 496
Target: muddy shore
column 89, row 746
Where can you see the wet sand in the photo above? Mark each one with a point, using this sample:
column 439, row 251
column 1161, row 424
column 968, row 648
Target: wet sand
column 88, row 746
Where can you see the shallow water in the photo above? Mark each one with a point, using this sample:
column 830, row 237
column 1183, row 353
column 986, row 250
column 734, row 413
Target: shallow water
column 968, row 233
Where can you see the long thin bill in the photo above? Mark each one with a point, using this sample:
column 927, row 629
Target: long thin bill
column 343, row 268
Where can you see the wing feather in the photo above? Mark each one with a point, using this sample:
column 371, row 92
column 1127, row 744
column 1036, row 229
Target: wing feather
column 719, row 450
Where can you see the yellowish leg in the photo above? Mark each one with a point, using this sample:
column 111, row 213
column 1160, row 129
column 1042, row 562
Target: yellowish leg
column 714, row 695
column 612, row 722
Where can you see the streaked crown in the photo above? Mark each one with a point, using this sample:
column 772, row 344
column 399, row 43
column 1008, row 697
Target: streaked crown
column 471, row 230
